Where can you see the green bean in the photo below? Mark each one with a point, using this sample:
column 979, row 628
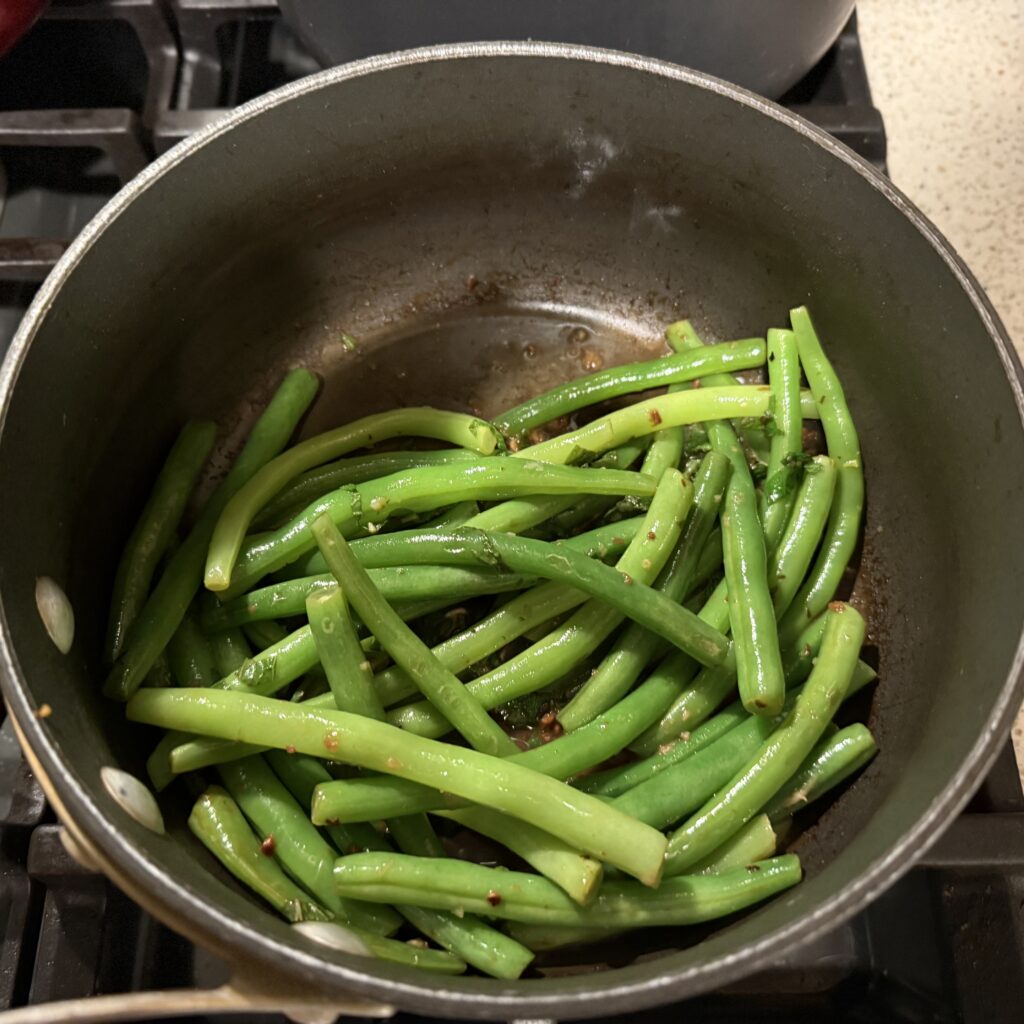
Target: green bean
column 230, row 651
column 564, row 647
column 756, row 841
column 787, row 438
column 418, row 490
column 218, row 824
column 843, row 528
column 833, row 761
column 581, row 820
column 159, row 767
column 449, row 884
column 160, row 674
column 190, row 655
column 642, row 418
column 288, row 660
column 694, row 702
column 440, row 686
column 782, row 753
column 469, row 938
column 803, row 532
column 573, row 872
column 751, row 615
column 629, row 379
column 301, row 774
column 520, row 514
column 678, row 790
column 349, row 674
column 165, row 606
column 455, row 516
column 616, row 781
column 386, row 550
column 455, row 428
column 353, row 469
column 397, row 583
column 295, row 842
column 155, row 529
column 636, row 646
column 266, row 634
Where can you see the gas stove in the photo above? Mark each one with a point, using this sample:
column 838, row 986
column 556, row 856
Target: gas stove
column 98, row 89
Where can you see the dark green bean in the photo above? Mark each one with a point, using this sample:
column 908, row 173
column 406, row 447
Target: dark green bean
column 190, row 655
column 165, row 606
column 230, row 651
column 155, row 529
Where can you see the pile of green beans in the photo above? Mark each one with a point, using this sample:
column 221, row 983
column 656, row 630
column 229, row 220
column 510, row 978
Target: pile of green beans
column 614, row 656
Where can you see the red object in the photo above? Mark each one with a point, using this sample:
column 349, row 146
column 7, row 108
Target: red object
column 16, row 18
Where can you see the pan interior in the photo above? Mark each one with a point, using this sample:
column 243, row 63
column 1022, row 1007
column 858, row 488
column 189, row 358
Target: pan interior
column 486, row 227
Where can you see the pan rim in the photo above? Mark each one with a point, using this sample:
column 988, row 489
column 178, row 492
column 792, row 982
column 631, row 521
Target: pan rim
column 213, row 926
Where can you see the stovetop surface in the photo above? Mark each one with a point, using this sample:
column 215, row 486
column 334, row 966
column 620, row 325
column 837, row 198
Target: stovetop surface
column 945, row 944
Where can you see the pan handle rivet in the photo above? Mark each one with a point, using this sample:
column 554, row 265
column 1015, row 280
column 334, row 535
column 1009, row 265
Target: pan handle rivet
column 133, row 797
column 56, row 612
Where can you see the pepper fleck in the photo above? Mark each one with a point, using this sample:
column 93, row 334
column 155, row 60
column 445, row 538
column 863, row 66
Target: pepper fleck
column 494, row 898
column 268, row 846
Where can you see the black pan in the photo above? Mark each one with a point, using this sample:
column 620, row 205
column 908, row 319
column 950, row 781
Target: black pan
column 446, row 207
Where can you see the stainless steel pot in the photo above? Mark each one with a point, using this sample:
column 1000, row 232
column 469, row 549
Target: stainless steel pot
column 576, row 188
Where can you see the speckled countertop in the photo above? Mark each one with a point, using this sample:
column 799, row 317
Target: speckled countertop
column 948, row 76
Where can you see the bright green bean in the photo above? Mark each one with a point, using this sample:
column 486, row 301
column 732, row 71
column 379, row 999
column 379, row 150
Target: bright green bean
column 754, row 842
column 833, row 761
column 181, row 578
column 782, row 753
column 219, row 825
column 448, row 884
column 155, row 529
column 636, row 646
column 349, row 674
column 642, row 418
column 520, row 514
column 418, row 490
column 787, row 442
column 295, row 842
column 226, row 541
column 796, row 548
column 843, row 528
column 353, row 469
column 629, row 379
column 396, row 583
column 564, row 647
column 581, row 820
column 440, row 686
column 573, row 872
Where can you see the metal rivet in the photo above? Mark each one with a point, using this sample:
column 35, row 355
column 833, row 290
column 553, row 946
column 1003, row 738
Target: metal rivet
column 56, row 612
column 133, row 797
column 334, row 935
